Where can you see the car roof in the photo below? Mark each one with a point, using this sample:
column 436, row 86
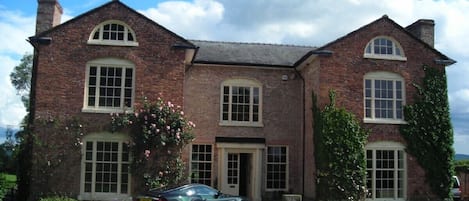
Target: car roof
column 165, row 190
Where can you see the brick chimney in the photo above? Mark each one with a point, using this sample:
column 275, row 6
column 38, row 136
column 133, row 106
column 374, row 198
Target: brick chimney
column 424, row 29
column 49, row 13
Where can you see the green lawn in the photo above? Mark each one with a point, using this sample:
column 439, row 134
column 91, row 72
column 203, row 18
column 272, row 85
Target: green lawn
column 10, row 179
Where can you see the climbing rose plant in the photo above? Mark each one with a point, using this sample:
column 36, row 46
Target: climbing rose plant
column 159, row 132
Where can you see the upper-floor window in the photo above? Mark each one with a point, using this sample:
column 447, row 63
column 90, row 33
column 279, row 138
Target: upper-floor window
column 241, row 103
column 113, row 33
column 109, row 85
column 384, row 48
column 384, row 97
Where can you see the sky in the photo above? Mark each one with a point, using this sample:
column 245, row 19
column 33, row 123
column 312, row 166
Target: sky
column 294, row 22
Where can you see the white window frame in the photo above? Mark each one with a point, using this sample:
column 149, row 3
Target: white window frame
column 387, row 76
column 286, row 163
column 397, row 51
column 101, row 41
column 251, row 84
column 120, row 138
column 209, row 162
column 396, row 148
column 114, row 63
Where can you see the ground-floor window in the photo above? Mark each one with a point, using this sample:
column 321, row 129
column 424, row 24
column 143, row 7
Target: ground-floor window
column 277, row 166
column 201, row 164
column 105, row 167
column 386, row 171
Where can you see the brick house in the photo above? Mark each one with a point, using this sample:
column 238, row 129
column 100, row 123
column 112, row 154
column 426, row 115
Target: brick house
column 251, row 102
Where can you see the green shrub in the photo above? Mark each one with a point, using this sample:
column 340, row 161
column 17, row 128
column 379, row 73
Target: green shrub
column 7, row 182
column 3, row 187
column 340, row 159
column 57, row 198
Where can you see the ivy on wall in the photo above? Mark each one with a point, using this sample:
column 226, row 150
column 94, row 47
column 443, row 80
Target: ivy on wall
column 429, row 133
column 339, row 153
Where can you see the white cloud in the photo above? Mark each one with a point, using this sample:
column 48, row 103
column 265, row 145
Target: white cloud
column 16, row 28
column 461, row 140
column 459, row 100
column 319, row 22
column 12, row 110
column 314, row 22
column 189, row 19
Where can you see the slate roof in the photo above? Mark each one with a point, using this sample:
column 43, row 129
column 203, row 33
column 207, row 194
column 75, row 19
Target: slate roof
column 249, row 54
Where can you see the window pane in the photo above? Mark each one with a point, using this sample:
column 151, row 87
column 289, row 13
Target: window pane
column 110, row 81
column 106, row 168
column 130, row 37
column 387, row 95
column 201, row 163
column 241, row 103
column 388, row 184
column 276, row 167
column 106, row 35
column 96, row 35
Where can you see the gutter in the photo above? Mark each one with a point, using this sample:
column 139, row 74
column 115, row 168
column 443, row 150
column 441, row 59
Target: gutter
column 326, row 53
column 35, row 42
column 445, row 62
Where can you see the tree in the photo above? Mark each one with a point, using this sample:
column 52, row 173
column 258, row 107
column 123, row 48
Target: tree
column 8, row 153
column 340, row 159
column 21, row 78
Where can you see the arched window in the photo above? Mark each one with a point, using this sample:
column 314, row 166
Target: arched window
column 241, row 103
column 113, row 32
column 383, row 47
column 105, row 167
column 386, row 170
column 384, row 97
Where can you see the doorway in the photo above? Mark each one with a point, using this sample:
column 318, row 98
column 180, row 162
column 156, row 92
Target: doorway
column 240, row 170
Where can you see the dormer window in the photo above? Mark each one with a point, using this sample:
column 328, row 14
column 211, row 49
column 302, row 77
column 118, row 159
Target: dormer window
column 114, row 33
column 384, row 48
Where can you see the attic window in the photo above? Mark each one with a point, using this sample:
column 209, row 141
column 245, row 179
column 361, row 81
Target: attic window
column 114, row 33
column 384, row 48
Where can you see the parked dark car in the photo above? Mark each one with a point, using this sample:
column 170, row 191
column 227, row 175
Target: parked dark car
column 456, row 189
column 189, row 192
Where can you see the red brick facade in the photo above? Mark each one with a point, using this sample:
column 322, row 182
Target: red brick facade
column 162, row 69
column 61, row 71
column 344, row 72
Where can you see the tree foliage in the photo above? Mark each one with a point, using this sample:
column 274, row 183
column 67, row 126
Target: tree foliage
column 8, row 152
column 339, row 153
column 461, row 166
column 21, row 78
column 429, row 132
column 159, row 132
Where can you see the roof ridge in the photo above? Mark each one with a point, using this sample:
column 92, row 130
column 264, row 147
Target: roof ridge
column 252, row 43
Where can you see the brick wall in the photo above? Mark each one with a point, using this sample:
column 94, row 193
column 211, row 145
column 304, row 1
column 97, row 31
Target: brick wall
column 159, row 70
column 344, row 72
column 282, row 110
